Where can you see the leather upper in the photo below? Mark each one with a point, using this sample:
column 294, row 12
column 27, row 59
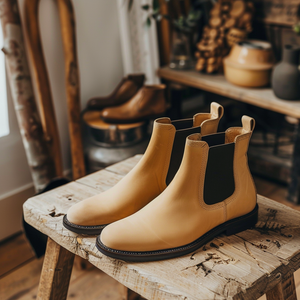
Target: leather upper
column 124, row 91
column 179, row 215
column 142, row 184
column 149, row 100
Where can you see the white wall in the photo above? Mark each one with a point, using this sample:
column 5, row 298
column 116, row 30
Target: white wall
column 101, row 68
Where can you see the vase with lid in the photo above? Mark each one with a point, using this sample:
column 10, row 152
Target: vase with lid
column 286, row 74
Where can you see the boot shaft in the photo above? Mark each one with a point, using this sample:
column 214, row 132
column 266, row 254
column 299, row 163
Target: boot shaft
column 219, row 165
column 165, row 150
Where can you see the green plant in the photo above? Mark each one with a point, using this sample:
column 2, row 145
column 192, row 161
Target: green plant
column 182, row 21
column 296, row 28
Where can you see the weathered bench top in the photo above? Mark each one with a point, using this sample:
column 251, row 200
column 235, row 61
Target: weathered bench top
column 242, row 266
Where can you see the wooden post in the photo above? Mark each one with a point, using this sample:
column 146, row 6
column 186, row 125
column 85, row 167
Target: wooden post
column 38, row 155
column 284, row 290
column 56, row 272
column 164, row 34
column 68, row 31
column 40, row 75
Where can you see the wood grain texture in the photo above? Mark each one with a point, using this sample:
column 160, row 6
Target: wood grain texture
column 164, row 34
column 9, row 254
column 22, row 283
column 41, row 79
column 276, row 293
column 68, row 30
column 278, row 12
column 36, row 147
column 284, row 290
column 261, row 97
column 56, row 272
column 242, row 266
column 19, row 283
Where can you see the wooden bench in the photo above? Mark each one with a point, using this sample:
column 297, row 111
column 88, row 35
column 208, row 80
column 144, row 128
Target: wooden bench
column 243, row 266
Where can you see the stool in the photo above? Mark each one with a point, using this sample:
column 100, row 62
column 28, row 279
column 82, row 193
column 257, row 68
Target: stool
column 244, row 266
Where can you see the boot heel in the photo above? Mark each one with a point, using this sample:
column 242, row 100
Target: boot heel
column 243, row 223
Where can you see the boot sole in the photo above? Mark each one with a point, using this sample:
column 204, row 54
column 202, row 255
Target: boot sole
column 230, row 227
column 88, row 230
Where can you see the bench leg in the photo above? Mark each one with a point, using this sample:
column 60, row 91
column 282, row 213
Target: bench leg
column 284, row 290
column 56, row 272
column 128, row 294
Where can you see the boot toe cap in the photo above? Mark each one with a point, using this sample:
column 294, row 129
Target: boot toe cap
column 127, row 235
column 77, row 214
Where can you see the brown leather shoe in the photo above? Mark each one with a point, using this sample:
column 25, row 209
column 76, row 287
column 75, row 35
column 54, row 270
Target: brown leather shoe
column 125, row 90
column 149, row 102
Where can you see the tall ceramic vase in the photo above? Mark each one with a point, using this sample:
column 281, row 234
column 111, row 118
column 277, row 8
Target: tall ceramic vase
column 286, row 75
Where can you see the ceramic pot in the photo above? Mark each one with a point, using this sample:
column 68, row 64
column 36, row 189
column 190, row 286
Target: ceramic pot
column 286, row 75
column 249, row 64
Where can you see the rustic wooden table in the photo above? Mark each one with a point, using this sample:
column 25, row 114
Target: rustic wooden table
column 261, row 97
column 243, row 266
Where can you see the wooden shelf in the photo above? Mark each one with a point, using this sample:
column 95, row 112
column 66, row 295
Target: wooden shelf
column 261, row 97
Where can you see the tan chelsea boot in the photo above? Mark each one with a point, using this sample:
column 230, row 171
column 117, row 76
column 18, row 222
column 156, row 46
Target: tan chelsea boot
column 147, row 179
column 213, row 192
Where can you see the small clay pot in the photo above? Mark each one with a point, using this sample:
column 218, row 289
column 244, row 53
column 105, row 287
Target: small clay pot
column 286, row 75
column 249, row 64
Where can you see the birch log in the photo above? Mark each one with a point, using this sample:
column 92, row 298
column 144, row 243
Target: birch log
column 68, row 30
column 38, row 156
column 40, row 75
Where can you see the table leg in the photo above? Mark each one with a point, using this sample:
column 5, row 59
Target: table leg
column 128, row 294
column 56, row 272
column 284, row 290
column 294, row 186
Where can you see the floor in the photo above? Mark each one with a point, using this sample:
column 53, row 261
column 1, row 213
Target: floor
column 20, row 270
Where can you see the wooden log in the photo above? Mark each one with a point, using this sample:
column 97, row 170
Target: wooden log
column 230, row 23
column 213, row 33
column 68, row 31
column 56, row 272
column 199, row 66
column 238, row 8
column 211, row 68
column 38, row 155
column 40, row 75
column 215, row 22
column 211, row 60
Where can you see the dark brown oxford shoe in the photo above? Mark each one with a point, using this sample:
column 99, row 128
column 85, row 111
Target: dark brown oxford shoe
column 148, row 102
column 125, row 90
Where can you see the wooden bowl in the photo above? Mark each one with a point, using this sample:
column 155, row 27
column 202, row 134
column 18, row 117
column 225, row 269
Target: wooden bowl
column 249, row 64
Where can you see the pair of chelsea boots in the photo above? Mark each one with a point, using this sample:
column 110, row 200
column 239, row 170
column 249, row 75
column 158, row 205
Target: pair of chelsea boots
column 131, row 101
column 191, row 185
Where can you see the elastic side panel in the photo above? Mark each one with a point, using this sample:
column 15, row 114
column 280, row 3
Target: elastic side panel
column 183, row 124
column 178, row 150
column 214, row 139
column 219, row 178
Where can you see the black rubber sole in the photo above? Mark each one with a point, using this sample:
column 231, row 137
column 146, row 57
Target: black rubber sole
column 230, row 227
column 88, row 230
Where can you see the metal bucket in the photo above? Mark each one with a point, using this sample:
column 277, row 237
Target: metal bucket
column 106, row 144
